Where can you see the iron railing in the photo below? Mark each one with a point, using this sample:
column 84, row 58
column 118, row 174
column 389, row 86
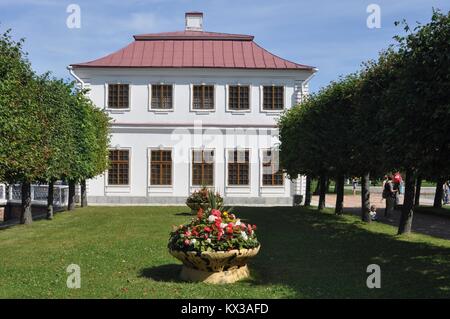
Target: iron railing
column 39, row 194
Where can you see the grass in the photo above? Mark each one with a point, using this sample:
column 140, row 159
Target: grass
column 305, row 254
column 430, row 210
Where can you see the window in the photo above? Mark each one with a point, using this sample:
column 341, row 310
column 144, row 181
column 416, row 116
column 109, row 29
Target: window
column 238, row 97
column 118, row 96
column 238, row 167
column 272, row 173
column 203, row 167
column 161, row 167
column 203, row 97
column 273, row 98
column 161, row 97
column 118, row 172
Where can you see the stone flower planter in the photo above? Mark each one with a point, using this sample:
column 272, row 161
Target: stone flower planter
column 216, row 267
column 196, row 206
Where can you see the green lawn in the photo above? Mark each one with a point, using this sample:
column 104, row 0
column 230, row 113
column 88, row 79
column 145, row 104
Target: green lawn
column 305, row 254
column 444, row 211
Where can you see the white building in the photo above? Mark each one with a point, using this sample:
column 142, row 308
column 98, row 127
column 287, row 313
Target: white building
column 193, row 108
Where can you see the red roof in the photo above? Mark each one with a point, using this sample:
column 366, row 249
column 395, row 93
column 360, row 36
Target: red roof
column 194, row 49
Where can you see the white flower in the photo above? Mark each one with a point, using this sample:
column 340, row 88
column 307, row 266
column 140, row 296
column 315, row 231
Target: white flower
column 208, row 240
column 238, row 222
column 223, row 225
column 193, row 241
column 244, row 235
column 212, row 218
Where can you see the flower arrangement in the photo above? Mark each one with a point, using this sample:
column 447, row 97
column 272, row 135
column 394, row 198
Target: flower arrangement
column 213, row 229
column 201, row 199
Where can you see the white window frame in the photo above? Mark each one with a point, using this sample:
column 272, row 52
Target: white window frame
column 261, row 99
column 227, row 101
column 202, row 111
column 227, row 150
column 191, row 173
column 118, row 110
column 150, row 91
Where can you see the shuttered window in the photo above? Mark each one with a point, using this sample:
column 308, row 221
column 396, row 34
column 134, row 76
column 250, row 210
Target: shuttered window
column 273, row 98
column 161, row 167
column 119, row 167
column 203, row 97
column 238, row 97
column 162, row 97
column 238, row 167
column 272, row 174
column 118, row 96
column 203, row 167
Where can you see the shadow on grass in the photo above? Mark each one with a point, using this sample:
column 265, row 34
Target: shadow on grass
column 320, row 255
column 167, row 273
column 184, row 214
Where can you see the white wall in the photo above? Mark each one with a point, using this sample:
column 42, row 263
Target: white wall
column 182, row 129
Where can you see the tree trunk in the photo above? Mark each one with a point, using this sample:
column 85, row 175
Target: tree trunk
column 322, row 191
column 439, row 193
column 84, row 202
column 408, row 203
column 50, row 200
column 365, row 198
column 418, row 189
column 71, row 204
column 339, row 187
column 308, row 192
column 26, row 217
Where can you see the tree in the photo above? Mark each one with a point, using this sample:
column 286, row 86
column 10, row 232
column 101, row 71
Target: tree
column 419, row 102
column 22, row 159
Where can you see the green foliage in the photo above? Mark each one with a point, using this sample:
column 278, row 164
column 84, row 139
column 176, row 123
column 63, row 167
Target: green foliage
column 49, row 130
column 393, row 114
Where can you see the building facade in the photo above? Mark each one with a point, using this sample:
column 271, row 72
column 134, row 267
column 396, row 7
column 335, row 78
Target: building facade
column 191, row 109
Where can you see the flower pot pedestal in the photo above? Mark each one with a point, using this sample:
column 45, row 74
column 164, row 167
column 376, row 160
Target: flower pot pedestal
column 215, row 267
column 220, row 277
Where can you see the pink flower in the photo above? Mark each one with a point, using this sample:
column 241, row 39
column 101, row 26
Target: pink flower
column 216, row 212
column 187, row 242
column 187, row 233
column 207, row 229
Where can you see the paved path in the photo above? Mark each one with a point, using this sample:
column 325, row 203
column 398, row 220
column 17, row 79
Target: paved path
column 422, row 223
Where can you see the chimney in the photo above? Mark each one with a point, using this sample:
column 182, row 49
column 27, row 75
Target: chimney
column 194, row 21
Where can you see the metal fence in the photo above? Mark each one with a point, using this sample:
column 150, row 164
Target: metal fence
column 39, row 194
column 2, row 192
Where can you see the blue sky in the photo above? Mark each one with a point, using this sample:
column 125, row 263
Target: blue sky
column 331, row 35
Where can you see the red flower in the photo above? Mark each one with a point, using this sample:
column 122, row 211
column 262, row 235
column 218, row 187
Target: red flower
column 187, row 233
column 254, row 227
column 207, row 229
column 229, row 230
column 216, row 212
column 219, row 234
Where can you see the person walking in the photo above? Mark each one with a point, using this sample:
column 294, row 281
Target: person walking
column 397, row 182
column 389, row 194
column 446, row 192
column 354, row 184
